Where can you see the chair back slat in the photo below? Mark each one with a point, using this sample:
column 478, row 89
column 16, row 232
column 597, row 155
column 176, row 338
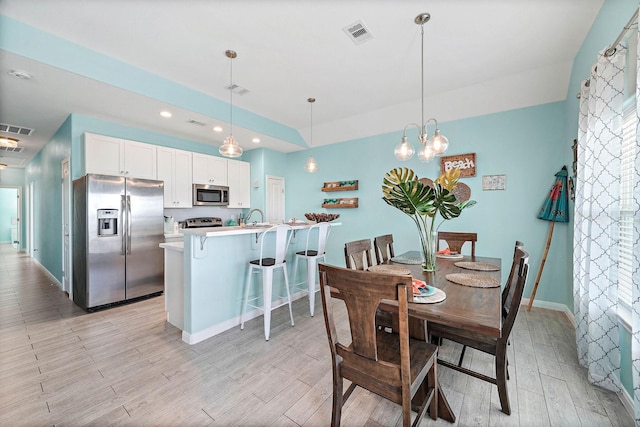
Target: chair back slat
column 283, row 238
column 383, row 245
column 357, row 254
column 456, row 240
column 521, row 260
column 362, row 292
column 507, row 292
column 323, row 229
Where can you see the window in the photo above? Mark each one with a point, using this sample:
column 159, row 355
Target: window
column 627, row 172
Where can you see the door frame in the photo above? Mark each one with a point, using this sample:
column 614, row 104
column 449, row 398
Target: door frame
column 18, row 212
column 67, row 259
column 268, row 195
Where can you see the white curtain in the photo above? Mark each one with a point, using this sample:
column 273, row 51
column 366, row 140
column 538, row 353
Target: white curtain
column 596, row 221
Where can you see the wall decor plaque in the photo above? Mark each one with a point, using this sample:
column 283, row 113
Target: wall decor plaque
column 465, row 162
column 494, row 182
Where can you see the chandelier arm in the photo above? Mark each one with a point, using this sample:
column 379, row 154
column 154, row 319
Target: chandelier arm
column 404, row 131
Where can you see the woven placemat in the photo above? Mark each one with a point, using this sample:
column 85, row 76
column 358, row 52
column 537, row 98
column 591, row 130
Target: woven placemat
column 480, row 266
column 439, row 296
column 450, row 256
column 473, row 280
column 411, row 257
column 389, row 269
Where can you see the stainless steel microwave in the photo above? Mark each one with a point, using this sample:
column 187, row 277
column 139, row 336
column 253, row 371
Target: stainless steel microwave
column 210, row 195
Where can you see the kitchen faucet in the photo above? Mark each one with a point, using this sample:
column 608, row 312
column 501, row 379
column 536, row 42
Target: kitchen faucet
column 246, row 218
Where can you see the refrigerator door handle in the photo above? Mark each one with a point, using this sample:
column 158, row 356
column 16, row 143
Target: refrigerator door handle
column 123, row 250
column 129, row 225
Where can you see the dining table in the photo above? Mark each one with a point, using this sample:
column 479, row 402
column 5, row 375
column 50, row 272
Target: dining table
column 467, row 307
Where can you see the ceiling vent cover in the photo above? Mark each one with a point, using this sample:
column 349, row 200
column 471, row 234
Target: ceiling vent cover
column 195, row 122
column 358, row 32
column 18, row 130
column 11, row 149
column 238, row 90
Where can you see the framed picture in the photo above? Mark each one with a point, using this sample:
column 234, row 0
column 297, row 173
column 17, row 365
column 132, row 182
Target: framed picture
column 494, row 182
column 465, row 162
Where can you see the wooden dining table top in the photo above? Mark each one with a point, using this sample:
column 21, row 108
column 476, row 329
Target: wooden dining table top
column 469, row 308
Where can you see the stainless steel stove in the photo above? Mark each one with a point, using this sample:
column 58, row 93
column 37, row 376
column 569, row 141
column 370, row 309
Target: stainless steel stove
column 203, row 222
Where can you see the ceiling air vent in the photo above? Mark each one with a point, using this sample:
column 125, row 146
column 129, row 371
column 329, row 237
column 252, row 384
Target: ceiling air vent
column 18, row 130
column 11, row 149
column 358, row 32
column 195, row 122
column 238, row 90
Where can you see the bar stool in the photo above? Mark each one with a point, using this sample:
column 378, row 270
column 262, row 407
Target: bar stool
column 312, row 256
column 266, row 264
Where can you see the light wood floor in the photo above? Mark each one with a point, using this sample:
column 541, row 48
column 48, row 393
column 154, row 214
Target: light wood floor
column 126, row 366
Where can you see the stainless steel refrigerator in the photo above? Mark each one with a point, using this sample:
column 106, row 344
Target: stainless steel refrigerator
column 118, row 224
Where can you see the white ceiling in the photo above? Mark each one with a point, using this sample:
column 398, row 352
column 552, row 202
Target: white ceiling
column 481, row 56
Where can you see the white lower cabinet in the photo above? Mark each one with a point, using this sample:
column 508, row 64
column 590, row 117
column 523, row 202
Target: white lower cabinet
column 239, row 181
column 174, row 168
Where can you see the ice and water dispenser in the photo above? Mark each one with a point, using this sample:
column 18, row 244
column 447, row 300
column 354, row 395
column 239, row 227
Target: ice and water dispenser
column 107, row 222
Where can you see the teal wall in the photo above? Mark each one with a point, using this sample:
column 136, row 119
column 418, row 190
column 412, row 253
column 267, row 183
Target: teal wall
column 521, row 144
column 8, row 211
column 45, row 173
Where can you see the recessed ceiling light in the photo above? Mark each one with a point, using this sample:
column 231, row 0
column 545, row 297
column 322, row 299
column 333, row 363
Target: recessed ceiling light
column 19, row 74
column 6, row 141
column 3, row 165
column 256, row 140
column 217, row 129
column 166, row 114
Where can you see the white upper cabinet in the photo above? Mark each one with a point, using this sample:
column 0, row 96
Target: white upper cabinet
column 239, row 181
column 174, row 168
column 210, row 170
column 114, row 156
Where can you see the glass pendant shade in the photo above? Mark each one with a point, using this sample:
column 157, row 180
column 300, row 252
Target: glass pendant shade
column 311, row 165
column 230, row 148
column 403, row 151
column 426, row 153
column 5, row 141
column 440, row 143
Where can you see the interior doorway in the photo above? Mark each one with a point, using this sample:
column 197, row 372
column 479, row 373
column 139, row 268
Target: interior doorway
column 274, row 196
column 66, row 221
column 10, row 216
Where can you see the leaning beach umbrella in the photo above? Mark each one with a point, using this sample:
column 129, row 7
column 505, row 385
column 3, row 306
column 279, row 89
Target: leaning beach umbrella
column 555, row 210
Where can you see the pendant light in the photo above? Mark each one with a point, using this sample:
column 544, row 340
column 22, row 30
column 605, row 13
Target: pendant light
column 311, row 165
column 230, row 148
column 435, row 145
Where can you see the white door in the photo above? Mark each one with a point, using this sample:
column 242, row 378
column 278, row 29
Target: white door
column 30, row 221
column 275, row 199
column 66, row 221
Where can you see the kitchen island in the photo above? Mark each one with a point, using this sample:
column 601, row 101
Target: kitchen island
column 215, row 263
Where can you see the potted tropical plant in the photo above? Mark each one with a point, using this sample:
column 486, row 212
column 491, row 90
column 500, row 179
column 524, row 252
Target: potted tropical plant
column 423, row 200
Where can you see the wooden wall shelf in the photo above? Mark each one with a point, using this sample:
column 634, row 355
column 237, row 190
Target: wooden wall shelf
column 340, row 186
column 343, row 203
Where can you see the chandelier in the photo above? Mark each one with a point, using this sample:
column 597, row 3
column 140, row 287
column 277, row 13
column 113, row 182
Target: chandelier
column 230, row 147
column 431, row 146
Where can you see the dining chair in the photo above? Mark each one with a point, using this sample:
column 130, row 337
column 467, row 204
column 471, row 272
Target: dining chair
column 456, row 240
column 383, row 245
column 357, row 254
column 314, row 251
column 389, row 364
column 272, row 255
column 496, row 347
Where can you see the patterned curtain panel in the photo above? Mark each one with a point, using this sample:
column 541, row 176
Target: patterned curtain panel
column 635, row 291
column 596, row 221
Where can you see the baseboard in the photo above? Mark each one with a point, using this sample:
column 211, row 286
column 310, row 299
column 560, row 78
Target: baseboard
column 48, row 273
column 627, row 402
column 211, row 331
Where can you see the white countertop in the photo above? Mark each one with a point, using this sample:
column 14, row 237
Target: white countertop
column 238, row 230
column 173, row 246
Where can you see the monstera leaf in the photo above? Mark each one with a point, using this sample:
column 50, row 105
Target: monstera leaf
column 402, row 189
